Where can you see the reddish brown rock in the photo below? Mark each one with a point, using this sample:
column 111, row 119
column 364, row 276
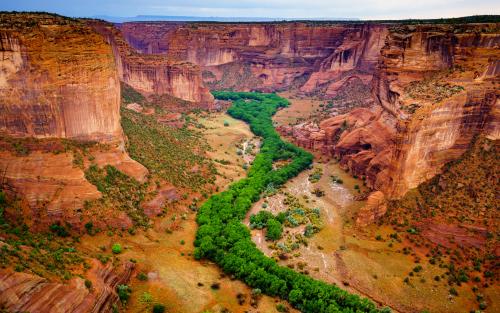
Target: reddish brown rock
column 166, row 194
column 58, row 79
column 266, row 57
column 122, row 161
column 374, row 208
column 156, row 74
column 435, row 88
column 22, row 292
column 51, row 186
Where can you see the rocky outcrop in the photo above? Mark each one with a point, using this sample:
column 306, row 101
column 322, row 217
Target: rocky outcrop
column 57, row 79
column 435, row 88
column 374, row 208
column 22, row 292
column 58, row 84
column 317, row 58
column 52, row 188
column 156, row 74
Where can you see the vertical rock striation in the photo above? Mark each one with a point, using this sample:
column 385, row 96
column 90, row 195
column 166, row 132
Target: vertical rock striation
column 319, row 59
column 435, row 88
column 57, row 79
column 156, row 74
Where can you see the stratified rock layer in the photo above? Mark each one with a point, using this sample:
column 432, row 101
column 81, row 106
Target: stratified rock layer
column 57, row 79
column 435, row 88
column 266, row 57
column 22, row 292
column 156, row 74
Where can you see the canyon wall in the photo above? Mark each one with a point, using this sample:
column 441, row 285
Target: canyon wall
column 22, row 292
column 420, row 93
column 59, row 87
column 435, row 88
column 58, row 79
column 317, row 59
column 156, row 74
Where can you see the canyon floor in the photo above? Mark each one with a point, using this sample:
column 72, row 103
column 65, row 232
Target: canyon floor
column 351, row 256
column 362, row 260
column 163, row 252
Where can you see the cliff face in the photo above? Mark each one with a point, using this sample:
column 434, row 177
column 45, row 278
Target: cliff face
column 435, row 88
column 156, row 74
column 266, row 57
column 22, row 292
column 439, row 115
column 58, row 79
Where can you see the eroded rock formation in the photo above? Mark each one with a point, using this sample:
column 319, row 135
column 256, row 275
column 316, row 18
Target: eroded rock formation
column 318, row 59
column 57, row 79
column 435, row 88
column 58, row 82
column 22, row 292
column 156, row 74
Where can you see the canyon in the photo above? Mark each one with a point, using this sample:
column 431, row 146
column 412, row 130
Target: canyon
column 420, row 93
column 399, row 102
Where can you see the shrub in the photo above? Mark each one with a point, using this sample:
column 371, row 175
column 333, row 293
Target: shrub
column 280, row 307
column 146, row 298
column 59, row 230
column 142, row 277
column 89, row 227
column 116, row 248
column 274, row 229
column 124, row 292
column 453, row 292
column 158, row 308
column 226, row 123
column 88, row 283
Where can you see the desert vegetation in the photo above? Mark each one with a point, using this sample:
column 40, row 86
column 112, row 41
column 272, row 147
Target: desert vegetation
column 222, row 237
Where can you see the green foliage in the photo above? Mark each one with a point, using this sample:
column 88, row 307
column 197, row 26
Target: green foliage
column 167, row 152
column 274, row 229
column 142, row 277
column 280, row 307
column 146, row 298
column 88, row 284
column 89, row 227
column 130, row 95
column 259, row 220
column 158, row 308
column 45, row 254
column 123, row 292
column 315, row 176
column 338, row 180
column 222, row 237
column 119, row 191
column 116, row 248
column 59, row 230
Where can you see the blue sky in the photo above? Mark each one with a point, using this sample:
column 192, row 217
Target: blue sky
column 364, row 9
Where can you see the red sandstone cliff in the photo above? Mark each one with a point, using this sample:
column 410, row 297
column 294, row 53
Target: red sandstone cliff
column 156, row 74
column 319, row 59
column 58, row 80
column 435, row 88
column 22, row 292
